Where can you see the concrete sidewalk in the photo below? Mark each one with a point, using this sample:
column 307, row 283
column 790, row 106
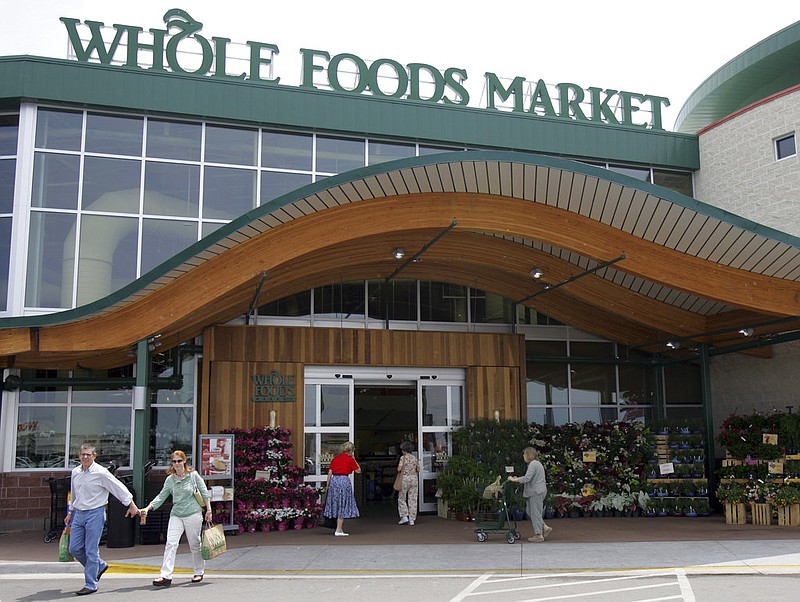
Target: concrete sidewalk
column 435, row 545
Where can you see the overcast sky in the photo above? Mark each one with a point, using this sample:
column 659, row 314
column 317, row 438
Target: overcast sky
column 663, row 48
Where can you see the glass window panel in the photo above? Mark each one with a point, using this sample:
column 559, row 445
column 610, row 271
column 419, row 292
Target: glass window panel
column 402, row 299
column 432, row 150
column 330, row 446
column 552, row 416
column 691, row 414
column 380, row 152
column 489, row 308
column 286, row 151
column 457, row 413
column 171, row 189
column 434, row 406
column 104, row 396
column 335, row 405
column 674, row 180
column 596, row 415
column 55, row 181
column 5, row 258
column 547, row 384
column 592, row 349
column 231, row 145
column 640, row 173
column 44, row 394
column 114, row 135
column 785, row 147
column 310, row 405
column 184, row 395
column 171, row 428
column 275, row 184
column 8, row 134
column 41, row 437
column 554, row 349
column 111, row 185
column 636, row 384
column 8, row 168
column 593, row 383
column 58, row 129
column 49, row 279
column 163, row 239
column 340, row 299
column 107, row 260
column 210, row 228
column 336, row 155
column 228, row 193
column 310, row 464
column 682, row 384
column 642, row 414
column 291, row 306
column 443, row 302
column 108, row 429
column 436, row 448
column 174, row 140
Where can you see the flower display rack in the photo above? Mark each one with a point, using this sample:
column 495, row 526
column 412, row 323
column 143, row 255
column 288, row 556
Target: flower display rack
column 684, row 491
column 762, row 513
column 762, row 466
column 789, row 516
column 735, row 513
column 269, row 489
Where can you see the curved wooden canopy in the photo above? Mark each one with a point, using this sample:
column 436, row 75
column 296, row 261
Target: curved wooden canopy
column 690, row 271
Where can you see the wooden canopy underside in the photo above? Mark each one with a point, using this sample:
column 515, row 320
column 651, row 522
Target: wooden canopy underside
column 495, row 243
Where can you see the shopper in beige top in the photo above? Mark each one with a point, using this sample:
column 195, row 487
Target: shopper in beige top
column 407, row 496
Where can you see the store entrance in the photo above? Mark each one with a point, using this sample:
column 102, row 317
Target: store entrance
column 384, row 416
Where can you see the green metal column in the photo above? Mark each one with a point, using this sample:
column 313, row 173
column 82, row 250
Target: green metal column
column 705, row 383
column 141, row 419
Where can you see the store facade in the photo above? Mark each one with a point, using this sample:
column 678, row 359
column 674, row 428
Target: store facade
column 189, row 251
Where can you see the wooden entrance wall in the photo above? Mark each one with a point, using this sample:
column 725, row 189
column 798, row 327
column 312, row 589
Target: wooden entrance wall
column 232, row 355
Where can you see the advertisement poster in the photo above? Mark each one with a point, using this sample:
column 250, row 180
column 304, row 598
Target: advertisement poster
column 216, row 456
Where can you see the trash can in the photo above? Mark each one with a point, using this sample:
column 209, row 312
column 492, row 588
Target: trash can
column 121, row 531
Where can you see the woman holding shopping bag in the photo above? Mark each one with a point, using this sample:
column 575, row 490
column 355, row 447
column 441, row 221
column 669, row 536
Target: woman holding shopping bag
column 186, row 516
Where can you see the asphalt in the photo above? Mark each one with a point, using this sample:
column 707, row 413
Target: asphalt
column 434, row 545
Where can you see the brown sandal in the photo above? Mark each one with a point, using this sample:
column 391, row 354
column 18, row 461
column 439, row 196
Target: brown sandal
column 197, row 579
column 161, row 582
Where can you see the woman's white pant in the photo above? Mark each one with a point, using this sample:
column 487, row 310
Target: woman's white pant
column 192, row 525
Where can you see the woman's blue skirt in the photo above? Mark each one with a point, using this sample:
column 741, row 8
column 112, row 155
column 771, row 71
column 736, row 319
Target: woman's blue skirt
column 340, row 503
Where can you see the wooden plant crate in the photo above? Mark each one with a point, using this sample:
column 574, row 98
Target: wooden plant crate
column 762, row 514
column 735, row 514
column 789, row 516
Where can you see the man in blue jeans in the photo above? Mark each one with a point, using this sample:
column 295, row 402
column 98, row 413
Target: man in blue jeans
column 89, row 488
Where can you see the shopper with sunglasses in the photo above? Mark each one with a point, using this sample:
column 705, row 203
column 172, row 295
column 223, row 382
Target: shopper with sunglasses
column 186, row 516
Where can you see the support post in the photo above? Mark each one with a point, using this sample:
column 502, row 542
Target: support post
column 141, row 419
column 708, row 413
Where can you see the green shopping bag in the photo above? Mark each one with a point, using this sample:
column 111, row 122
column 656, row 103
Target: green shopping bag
column 63, row 547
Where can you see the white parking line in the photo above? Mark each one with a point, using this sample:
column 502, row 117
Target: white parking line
column 499, row 585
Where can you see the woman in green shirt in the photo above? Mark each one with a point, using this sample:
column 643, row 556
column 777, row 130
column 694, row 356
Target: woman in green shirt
column 186, row 516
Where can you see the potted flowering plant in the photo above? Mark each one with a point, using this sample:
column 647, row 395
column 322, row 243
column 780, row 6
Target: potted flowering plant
column 731, row 492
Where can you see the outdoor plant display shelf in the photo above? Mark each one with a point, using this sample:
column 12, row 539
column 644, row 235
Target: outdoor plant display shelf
column 735, row 513
column 789, row 516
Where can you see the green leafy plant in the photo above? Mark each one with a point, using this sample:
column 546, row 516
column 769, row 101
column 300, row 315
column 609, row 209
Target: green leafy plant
column 731, row 492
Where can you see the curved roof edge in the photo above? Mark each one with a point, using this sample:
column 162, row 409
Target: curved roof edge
column 167, row 270
column 762, row 70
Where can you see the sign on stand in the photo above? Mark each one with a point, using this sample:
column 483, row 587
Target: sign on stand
column 216, row 464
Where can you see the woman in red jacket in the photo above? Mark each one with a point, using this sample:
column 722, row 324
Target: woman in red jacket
column 341, row 502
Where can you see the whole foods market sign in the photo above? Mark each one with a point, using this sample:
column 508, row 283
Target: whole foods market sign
column 161, row 50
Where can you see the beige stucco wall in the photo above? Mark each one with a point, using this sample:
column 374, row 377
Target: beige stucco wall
column 739, row 172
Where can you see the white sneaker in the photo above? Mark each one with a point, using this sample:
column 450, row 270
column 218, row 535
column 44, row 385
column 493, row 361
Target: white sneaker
column 403, row 520
column 340, row 534
column 410, row 523
column 546, row 531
